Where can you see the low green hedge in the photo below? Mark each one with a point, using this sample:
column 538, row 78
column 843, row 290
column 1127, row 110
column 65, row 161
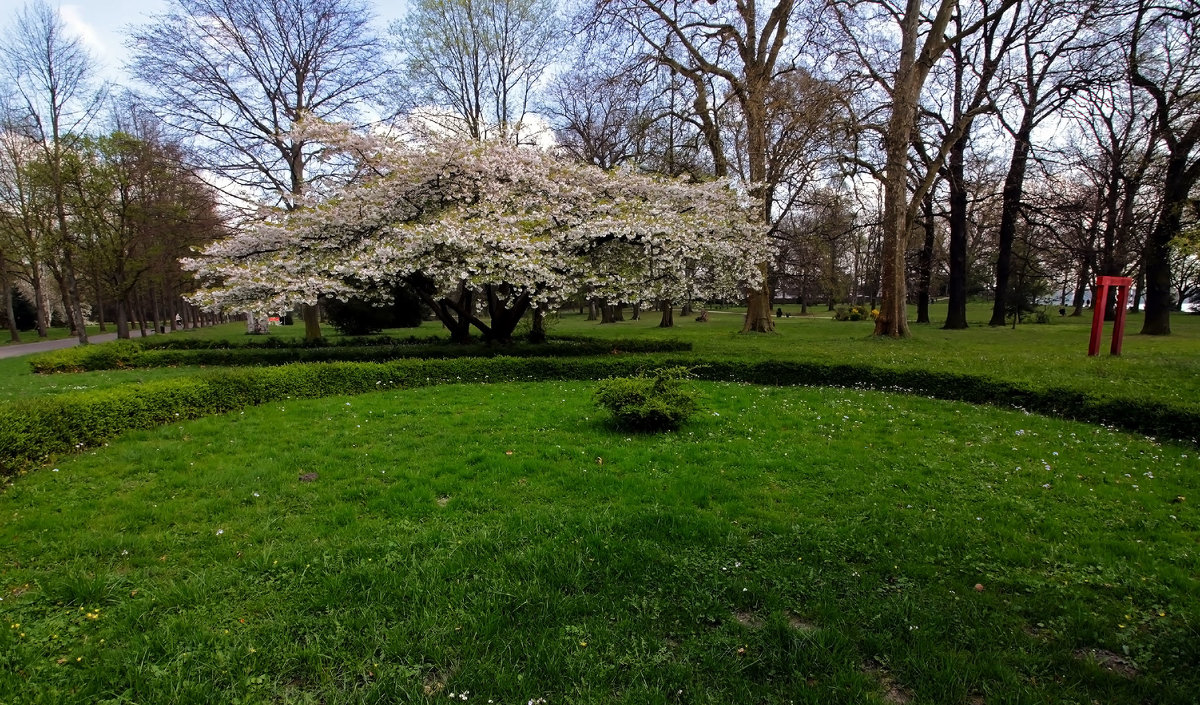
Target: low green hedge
column 185, row 343
column 133, row 354
column 33, row 431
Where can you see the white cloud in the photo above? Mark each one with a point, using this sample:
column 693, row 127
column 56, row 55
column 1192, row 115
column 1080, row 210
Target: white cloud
column 72, row 17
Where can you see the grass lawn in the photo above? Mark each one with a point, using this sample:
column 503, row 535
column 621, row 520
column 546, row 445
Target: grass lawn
column 501, row 543
column 1163, row 368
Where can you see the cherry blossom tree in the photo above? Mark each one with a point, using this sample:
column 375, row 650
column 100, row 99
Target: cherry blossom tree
column 487, row 230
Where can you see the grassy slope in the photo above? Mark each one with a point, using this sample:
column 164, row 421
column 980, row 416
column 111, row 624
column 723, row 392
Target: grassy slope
column 791, row 545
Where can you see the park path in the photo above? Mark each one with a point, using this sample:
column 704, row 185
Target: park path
column 48, row 345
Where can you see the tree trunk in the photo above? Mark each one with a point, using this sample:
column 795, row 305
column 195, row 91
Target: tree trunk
column 43, row 315
column 956, row 310
column 637, row 313
column 155, row 311
column 1157, row 255
column 99, row 303
column 1010, row 210
column 592, row 310
column 537, row 333
column 893, row 309
column 925, row 278
column 123, row 317
column 9, row 314
column 140, row 313
column 758, row 308
column 312, row 322
column 65, row 297
column 1080, row 291
column 668, row 314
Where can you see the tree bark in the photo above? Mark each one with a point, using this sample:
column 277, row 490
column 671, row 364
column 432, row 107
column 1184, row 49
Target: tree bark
column 43, row 314
column 668, row 314
column 925, row 279
column 9, row 314
column 537, row 333
column 956, row 311
column 123, row 317
column 1157, row 253
column 312, row 322
column 758, row 308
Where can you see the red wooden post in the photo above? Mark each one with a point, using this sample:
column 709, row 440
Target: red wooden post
column 1099, row 303
column 1119, row 324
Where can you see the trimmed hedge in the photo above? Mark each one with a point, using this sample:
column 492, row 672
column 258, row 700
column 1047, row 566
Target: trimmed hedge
column 184, row 343
column 33, row 431
column 128, row 354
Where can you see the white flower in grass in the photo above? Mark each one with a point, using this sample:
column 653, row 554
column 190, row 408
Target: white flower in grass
column 220, row 531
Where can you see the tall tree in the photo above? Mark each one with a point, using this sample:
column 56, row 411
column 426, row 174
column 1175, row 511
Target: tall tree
column 725, row 46
column 26, row 230
column 898, row 61
column 1059, row 55
column 239, row 74
column 1164, row 61
column 477, row 62
column 52, row 80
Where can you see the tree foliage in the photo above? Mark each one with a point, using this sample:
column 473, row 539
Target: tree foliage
column 491, row 222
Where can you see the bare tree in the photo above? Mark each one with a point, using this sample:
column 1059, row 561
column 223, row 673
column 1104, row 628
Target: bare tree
column 735, row 56
column 1060, row 54
column 1164, row 61
column 895, row 46
column 52, row 84
column 602, row 112
column 476, row 62
column 239, row 74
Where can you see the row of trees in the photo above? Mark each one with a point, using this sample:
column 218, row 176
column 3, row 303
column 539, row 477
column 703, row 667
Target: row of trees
column 92, row 225
column 895, row 149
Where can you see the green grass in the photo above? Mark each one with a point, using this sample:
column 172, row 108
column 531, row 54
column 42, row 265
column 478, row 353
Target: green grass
column 791, row 545
column 1162, row 368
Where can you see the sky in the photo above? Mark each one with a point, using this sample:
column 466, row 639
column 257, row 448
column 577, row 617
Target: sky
column 102, row 24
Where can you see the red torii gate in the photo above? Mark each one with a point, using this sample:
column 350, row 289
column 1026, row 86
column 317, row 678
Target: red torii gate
column 1099, row 303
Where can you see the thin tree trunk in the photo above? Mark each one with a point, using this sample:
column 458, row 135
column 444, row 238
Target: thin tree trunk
column 9, row 314
column 956, row 309
column 155, row 310
column 43, row 314
column 1010, row 211
column 140, row 313
column 1080, row 291
column 925, row 276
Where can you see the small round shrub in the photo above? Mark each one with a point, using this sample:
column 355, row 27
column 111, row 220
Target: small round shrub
column 658, row 402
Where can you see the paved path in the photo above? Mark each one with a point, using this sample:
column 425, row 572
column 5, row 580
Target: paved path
column 47, row 345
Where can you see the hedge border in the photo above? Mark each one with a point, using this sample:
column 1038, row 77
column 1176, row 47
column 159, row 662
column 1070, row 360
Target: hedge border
column 35, row 431
column 120, row 355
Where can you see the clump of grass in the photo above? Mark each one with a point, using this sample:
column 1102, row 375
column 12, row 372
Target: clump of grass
column 660, row 401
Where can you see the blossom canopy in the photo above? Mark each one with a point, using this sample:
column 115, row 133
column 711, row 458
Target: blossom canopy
column 516, row 225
